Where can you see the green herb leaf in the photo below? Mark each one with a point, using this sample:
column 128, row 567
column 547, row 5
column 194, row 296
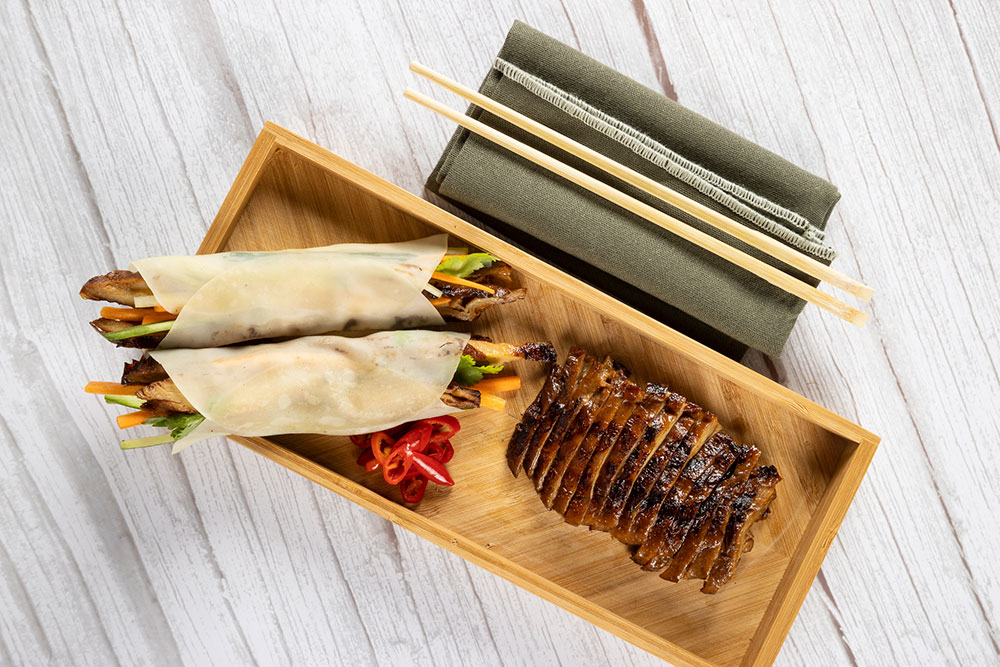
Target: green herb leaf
column 468, row 373
column 180, row 425
column 465, row 265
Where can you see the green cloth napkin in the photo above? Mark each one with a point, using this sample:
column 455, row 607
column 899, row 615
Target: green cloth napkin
column 690, row 289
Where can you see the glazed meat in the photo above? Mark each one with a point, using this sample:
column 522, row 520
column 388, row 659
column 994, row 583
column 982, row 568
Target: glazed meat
column 163, row 398
column 118, row 286
column 466, row 303
column 463, row 398
column 645, row 464
column 143, row 371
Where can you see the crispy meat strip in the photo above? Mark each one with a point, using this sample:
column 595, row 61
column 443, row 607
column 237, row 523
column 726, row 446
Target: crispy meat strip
column 484, row 350
column 631, row 436
column 118, row 286
column 586, row 488
column 588, row 391
column 466, row 303
column 693, row 430
column 649, row 443
column 700, row 465
column 457, row 396
column 498, row 274
column 587, row 419
column 143, row 371
column 719, row 502
column 523, row 432
column 747, row 509
column 575, row 368
column 163, row 397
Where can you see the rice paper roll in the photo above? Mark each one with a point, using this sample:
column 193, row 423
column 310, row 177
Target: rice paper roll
column 331, row 385
column 239, row 296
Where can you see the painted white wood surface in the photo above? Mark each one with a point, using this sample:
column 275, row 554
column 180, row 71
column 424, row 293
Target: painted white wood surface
column 124, row 124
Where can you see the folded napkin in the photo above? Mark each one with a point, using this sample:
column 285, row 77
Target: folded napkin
column 668, row 278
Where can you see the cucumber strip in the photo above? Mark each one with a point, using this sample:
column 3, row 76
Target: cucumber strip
column 127, row 401
column 143, row 301
column 140, row 330
column 457, row 251
column 433, row 291
column 152, row 440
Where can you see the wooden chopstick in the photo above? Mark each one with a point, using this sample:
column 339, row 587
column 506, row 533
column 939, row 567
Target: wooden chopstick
column 752, row 237
column 769, row 273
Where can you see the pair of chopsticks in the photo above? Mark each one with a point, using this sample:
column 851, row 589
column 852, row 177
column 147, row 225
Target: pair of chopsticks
column 752, row 237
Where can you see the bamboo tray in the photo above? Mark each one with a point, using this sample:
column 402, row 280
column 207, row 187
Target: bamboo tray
column 292, row 193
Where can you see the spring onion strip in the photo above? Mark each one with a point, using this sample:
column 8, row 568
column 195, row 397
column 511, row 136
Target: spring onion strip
column 141, row 330
column 152, row 440
column 127, row 401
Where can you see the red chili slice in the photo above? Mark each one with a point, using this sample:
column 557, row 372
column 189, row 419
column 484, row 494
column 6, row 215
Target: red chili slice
column 413, row 488
column 367, row 459
column 441, row 451
column 381, row 445
column 433, row 469
column 397, row 465
column 444, row 427
column 362, row 440
column 416, row 439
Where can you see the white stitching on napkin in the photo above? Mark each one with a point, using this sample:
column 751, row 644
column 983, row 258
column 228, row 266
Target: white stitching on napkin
column 747, row 204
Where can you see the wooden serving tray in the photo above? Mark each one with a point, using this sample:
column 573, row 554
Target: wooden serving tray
column 291, row 193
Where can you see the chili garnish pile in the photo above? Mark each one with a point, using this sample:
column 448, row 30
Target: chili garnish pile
column 411, row 455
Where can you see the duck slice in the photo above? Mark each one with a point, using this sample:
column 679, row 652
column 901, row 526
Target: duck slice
column 588, row 392
column 748, row 508
column 719, row 502
column 586, row 488
column 704, row 463
column 656, row 430
column 656, row 481
column 651, row 405
column 574, row 373
column 525, row 429
column 587, row 419
column 583, row 468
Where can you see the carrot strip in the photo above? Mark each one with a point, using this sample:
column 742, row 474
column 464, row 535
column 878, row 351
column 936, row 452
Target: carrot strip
column 158, row 317
column 160, row 309
column 112, row 388
column 125, row 314
column 130, row 419
column 498, row 384
column 491, row 401
column 445, row 278
column 440, row 301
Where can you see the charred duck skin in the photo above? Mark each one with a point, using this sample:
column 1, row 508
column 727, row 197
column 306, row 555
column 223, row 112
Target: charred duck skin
column 646, row 465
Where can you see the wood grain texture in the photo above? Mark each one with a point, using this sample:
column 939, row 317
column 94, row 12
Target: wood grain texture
column 292, row 193
column 125, row 125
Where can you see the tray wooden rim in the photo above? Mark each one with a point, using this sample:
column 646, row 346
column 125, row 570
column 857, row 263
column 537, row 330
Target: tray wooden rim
column 819, row 533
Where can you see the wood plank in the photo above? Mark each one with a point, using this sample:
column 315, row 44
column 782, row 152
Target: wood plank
column 126, row 124
column 846, row 77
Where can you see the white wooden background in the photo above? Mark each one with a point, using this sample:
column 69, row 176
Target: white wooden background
column 123, row 124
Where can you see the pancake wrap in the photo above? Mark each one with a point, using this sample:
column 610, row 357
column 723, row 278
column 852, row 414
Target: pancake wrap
column 240, row 296
column 331, row 385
